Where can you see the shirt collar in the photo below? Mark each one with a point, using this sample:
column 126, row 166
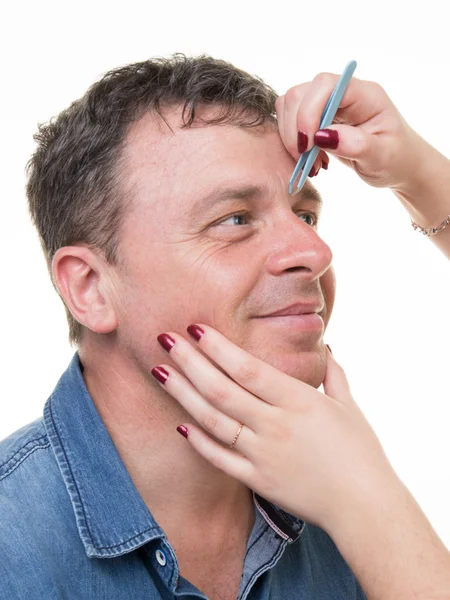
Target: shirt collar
column 111, row 516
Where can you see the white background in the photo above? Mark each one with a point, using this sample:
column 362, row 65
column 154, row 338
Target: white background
column 390, row 328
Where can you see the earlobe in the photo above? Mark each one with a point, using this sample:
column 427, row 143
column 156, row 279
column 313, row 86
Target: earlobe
column 79, row 276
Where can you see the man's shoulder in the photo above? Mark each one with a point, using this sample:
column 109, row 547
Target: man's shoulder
column 30, row 480
column 35, row 509
column 18, row 446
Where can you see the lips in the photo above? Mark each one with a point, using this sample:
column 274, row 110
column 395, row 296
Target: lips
column 296, row 309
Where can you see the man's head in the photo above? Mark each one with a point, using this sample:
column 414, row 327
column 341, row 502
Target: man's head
column 134, row 190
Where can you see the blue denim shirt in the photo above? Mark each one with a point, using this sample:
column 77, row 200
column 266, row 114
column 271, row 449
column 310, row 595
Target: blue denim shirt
column 73, row 525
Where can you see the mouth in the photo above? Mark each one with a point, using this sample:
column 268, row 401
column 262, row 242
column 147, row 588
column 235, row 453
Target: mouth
column 297, row 317
column 299, row 322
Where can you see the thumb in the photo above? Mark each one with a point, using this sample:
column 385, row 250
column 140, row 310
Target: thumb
column 371, row 156
column 335, row 383
column 352, row 143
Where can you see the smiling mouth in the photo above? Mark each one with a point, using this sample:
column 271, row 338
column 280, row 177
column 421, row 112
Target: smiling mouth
column 304, row 322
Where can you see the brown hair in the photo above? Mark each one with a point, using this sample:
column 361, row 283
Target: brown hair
column 74, row 174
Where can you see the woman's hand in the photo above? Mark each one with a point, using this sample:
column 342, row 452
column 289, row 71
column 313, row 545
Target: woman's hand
column 313, row 454
column 369, row 134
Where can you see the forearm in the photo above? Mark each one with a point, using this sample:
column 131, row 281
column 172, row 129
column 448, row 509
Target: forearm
column 392, row 548
column 426, row 195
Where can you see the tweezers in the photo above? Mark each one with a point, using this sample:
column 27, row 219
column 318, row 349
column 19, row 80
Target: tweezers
column 307, row 159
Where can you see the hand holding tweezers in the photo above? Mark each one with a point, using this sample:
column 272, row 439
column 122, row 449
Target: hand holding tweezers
column 307, row 159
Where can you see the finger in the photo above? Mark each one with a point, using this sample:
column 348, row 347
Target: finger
column 292, row 101
column 214, row 386
column 322, row 157
column 218, row 424
column 316, row 167
column 325, row 159
column 312, row 104
column 228, row 461
column 350, row 142
column 361, row 101
column 258, row 377
column 321, row 162
column 335, row 383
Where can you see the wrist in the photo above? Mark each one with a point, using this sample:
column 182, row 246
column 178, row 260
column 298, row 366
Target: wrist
column 392, row 548
column 425, row 189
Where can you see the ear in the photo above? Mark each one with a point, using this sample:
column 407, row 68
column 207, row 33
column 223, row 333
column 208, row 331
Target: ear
column 81, row 278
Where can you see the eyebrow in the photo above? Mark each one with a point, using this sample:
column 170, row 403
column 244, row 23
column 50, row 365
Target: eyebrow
column 250, row 192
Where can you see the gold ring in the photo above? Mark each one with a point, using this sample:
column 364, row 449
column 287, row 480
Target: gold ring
column 237, row 435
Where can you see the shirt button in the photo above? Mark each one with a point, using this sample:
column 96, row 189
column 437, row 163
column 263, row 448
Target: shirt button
column 161, row 558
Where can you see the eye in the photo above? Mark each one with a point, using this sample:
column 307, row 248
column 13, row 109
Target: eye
column 234, row 218
column 312, row 216
column 237, row 218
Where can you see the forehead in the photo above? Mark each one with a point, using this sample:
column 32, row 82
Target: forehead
column 188, row 161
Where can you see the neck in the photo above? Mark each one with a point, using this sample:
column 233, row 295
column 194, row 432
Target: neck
column 179, row 487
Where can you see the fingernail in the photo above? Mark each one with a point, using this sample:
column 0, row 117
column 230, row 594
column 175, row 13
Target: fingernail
column 327, row 138
column 160, row 374
column 166, row 341
column 312, row 172
column 328, row 348
column 324, row 165
column 302, row 142
column 195, row 331
column 183, row 430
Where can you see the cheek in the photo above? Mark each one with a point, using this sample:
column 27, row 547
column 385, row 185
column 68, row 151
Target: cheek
column 222, row 281
column 180, row 286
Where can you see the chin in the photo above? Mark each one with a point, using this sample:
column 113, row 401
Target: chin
column 313, row 377
column 306, row 365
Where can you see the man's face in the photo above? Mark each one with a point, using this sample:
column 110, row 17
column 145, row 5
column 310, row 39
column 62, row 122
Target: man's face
column 196, row 252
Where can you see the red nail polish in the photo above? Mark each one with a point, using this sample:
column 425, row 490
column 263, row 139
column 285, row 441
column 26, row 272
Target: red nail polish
column 183, row 430
column 327, row 138
column 160, row 374
column 302, row 142
column 324, row 165
column 195, row 331
column 312, row 172
column 166, row 341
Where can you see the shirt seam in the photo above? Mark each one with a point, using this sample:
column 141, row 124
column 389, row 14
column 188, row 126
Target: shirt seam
column 263, row 568
column 264, row 530
column 16, row 463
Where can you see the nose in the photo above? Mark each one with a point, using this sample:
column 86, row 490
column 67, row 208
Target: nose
column 296, row 246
